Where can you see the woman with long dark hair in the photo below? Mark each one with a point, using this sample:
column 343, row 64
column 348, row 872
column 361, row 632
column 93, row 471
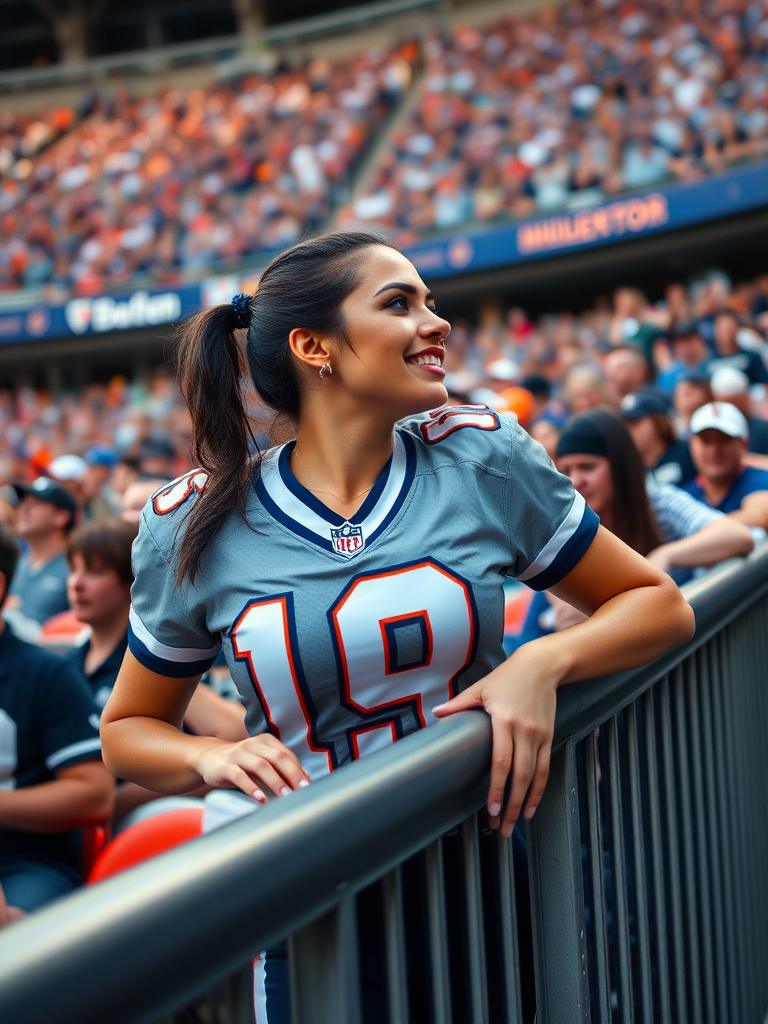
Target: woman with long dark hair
column 354, row 576
column 677, row 534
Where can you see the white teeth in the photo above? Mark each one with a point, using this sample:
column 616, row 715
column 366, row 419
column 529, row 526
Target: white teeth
column 427, row 361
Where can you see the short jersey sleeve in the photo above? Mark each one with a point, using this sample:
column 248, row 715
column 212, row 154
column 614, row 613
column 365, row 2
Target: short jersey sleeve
column 163, row 634
column 549, row 524
column 66, row 718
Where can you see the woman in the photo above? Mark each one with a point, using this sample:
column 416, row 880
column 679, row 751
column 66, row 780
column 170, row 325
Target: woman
column 597, row 453
column 361, row 559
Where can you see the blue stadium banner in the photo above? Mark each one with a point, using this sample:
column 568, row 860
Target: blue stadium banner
column 664, row 208
column 102, row 314
column 644, row 213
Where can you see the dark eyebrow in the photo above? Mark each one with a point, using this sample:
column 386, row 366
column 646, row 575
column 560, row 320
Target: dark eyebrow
column 409, row 289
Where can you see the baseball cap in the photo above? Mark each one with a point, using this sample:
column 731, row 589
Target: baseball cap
column 694, row 376
column 685, row 329
column 101, row 455
column 720, row 416
column 643, row 403
column 45, row 489
column 727, row 381
column 68, row 467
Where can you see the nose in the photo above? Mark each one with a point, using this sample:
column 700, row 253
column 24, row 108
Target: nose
column 435, row 325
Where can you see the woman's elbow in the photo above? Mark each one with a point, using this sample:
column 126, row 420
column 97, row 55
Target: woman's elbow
column 678, row 616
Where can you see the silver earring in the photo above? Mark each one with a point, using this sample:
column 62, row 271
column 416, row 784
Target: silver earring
column 326, row 370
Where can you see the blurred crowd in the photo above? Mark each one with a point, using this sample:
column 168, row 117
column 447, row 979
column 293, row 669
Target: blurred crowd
column 558, row 108
column 570, row 104
column 149, row 189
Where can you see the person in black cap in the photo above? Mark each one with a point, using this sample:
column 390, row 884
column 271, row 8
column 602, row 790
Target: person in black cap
column 692, row 390
column 46, row 514
column 690, row 352
column 666, row 460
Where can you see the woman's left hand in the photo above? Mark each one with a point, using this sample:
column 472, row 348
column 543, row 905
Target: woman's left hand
column 521, row 698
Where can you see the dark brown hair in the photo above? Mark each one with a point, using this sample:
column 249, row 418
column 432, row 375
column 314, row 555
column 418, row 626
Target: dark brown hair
column 302, row 287
column 633, row 518
column 105, row 543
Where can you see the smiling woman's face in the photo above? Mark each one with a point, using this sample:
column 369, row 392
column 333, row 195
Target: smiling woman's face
column 396, row 339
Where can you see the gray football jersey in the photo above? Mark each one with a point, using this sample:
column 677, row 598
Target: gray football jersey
column 342, row 635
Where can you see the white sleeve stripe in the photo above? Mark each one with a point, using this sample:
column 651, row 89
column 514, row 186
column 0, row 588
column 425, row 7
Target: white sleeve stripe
column 73, row 750
column 557, row 542
column 179, row 654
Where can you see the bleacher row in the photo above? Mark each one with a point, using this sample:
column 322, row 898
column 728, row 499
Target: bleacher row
column 555, row 109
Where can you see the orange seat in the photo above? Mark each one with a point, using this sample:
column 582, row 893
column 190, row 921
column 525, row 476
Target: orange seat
column 147, row 839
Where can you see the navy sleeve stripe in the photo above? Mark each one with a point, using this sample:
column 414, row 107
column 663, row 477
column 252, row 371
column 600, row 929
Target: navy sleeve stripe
column 163, row 666
column 569, row 555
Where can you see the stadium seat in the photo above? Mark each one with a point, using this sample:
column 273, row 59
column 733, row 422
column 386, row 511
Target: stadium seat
column 147, row 839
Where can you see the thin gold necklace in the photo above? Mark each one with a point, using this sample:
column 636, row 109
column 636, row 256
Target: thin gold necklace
column 317, row 490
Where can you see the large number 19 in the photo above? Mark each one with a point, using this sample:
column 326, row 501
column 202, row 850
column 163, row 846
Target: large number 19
column 423, row 603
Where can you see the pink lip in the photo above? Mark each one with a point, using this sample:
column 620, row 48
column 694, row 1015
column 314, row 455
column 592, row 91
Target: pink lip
column 433, row 351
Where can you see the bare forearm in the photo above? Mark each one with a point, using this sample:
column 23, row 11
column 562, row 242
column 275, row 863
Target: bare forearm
column 630, row 630
column 723, row 539
column 154, row 754
column 56, row 806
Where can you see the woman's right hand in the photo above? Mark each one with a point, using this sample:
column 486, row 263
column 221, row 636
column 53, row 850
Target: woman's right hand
column 252, row 765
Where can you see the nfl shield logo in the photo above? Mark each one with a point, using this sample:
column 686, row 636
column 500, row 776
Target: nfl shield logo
column 348, row 539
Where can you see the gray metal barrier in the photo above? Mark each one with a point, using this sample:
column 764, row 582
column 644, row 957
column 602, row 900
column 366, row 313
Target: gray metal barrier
column 648, row 871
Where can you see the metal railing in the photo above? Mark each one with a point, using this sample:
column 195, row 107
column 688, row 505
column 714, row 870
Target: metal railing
column 648, row 872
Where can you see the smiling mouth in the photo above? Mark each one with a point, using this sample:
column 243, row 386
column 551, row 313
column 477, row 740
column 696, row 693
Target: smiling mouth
column 430, row 359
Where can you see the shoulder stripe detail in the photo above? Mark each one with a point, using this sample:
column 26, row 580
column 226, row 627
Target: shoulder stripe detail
column 444, row 422
column 58, row 758
column 176, row 493
column 565, row 547
column 184, row 655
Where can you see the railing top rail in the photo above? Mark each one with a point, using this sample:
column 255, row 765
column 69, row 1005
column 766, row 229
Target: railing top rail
column 206, row 49
column 142, row 943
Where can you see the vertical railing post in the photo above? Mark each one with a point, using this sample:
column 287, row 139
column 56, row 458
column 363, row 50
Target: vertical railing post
column 557, row 898
column 325, row 972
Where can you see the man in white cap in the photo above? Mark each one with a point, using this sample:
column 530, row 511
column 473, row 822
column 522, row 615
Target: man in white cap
column 731, row 385
column 719, row 440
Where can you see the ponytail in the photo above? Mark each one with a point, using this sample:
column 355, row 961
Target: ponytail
column 304, row 286
column 209, row 373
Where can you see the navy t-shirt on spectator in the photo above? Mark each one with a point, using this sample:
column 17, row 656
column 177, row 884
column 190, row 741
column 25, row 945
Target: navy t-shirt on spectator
column 674, row 467
column 47, row 722
column 747, row 482
column 42, row 589
column 747, row 361
column 103, row 677
column 758, row 435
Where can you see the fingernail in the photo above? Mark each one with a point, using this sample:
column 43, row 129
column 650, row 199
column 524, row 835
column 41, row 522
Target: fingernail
column 258, row 795
column 529, row 812
column 508, row 830
column 284, row 791
column 303, row 784
column 494, row 808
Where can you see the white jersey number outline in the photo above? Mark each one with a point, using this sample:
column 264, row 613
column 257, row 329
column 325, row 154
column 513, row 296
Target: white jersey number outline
column 364, row 622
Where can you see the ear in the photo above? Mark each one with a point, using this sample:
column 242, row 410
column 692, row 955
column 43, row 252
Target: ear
column 310, row 349
column 62, row 518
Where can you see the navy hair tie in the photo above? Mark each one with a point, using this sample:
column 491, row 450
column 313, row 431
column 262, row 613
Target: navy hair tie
column 241, row 304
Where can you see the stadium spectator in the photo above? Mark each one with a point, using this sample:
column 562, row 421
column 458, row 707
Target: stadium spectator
column 70, row 471
column 666, row 459
column 99, row 493
column 673, row 531
column 8, row 503
column 730, row 352
column 719, row 441
column 52, row 780
column 157, row 458
column 690, row 354
column 99, row 590
column 627, row 370
column 731, row 385
column 585, row 388
column 691, row 392
column 46, row 514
